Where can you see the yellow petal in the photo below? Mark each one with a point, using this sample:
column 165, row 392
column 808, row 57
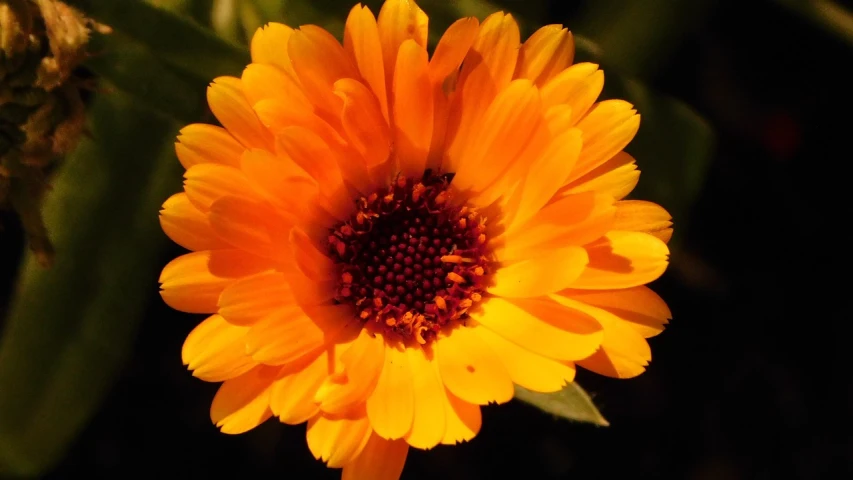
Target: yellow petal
column 248, row 299
column 363, row 122
column 391, row 406
column 207, row 182
column 470, row 370
column 251, row 226
column 545, row 176
column 399, row 20
column 505, row 131
column 429, row 422
column 642, row 216
column 607, row 129
column 542, row 326
column 361, row 41
column 200, row 143
column 549, row 272
column 215, row 350
column 616, row 177
column 292, row 394
column 463, row 419
column 229, row 104
column 577, row 86
column 319, row 61
column 623, row 260
column 526, row 368
column 546, row 53
column 337, row 441
column 624, row 352
column 187, row 226
column 413, row 108
column 379, row 460
column 571, row 220
column 452, row 48
column 486, row 70
column 290, row 333
column 192, row 282
column 242, row 403
column 640, row 307
column 269, row 46
column 262, row 82
column 362, row 364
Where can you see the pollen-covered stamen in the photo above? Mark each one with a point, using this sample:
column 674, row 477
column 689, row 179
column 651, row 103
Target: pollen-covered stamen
column 410, row 261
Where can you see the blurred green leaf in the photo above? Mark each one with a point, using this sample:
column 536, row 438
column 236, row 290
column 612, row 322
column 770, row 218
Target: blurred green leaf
column 134, row 69
column 827, row 15
column 70, row 328
column 173, row 39
column 674, row 146
column 571, row 403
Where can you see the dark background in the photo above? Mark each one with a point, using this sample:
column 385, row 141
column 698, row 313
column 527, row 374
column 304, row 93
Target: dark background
column 752, row 379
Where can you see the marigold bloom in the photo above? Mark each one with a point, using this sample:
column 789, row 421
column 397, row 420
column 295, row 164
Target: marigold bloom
column 387, row 241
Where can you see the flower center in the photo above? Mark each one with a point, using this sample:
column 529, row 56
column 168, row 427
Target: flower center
column 410, row 261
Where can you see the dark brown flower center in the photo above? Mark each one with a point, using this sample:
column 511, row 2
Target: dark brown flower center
column 410, row 260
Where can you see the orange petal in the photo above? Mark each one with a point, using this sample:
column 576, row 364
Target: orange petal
column 413, row 108
column 640, row 307
column 399, row 20
column 505, row 131
column 262, row 82
column 429, row 423
column 642, row 216
column 187, row 226
column 623, row 260
column 616, row 177
column 215, row 350
column 292, row 395
column 311, row 261
column 607, row 129
column 242, row 403
column 362, row 364
column 361, row 41
column 229, row 104
column 545, row 176
column 251, row 226
column 192, row 282
column 338, row 441
column 319, row 61
column 526, row 368
column 452, row 48
column 207, row 182
column 379, row 460
column 289, row 333
column 391, row 406
column 542, row 326
column 463, row 419
column 486, row 71
column 363, row 122
column 269, row 46
column 551, row 271
column 248, row 299
column 470, row 370
column 577, row 86
column 282, row 182
column 571, row 220
column 546, row 53
column 624, row 352
column 200, row 143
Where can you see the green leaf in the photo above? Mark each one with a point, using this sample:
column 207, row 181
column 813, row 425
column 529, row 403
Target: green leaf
column 70, row 328
column 674, row 146
column 827, row 15
column 131, row 67
column 571, row 403
column 173, row 39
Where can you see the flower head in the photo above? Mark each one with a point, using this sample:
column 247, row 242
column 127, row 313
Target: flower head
column 387, row 241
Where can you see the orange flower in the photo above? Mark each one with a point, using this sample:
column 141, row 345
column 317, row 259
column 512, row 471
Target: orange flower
column 387, row 241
